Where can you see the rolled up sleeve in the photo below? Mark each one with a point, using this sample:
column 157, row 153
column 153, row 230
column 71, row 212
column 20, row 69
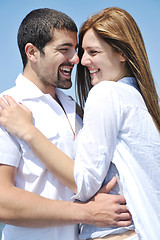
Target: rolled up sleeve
column 97, row 140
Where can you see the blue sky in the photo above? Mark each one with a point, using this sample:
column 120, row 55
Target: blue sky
column 145, row 12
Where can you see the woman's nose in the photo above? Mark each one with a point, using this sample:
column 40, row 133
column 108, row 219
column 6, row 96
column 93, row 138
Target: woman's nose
column 85, row 61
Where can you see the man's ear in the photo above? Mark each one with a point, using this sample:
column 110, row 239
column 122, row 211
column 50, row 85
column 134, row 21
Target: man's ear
column 31, row 52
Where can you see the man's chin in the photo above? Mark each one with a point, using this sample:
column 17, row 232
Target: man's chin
column 67, row 84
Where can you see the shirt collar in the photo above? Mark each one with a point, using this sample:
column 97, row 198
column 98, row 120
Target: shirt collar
column 28, row 89
column 130, row 81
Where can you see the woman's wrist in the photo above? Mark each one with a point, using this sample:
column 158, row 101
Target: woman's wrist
column 28, row 134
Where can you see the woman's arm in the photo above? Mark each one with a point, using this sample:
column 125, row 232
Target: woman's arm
column 17, row 119
column 57, row 162
column 97, row 140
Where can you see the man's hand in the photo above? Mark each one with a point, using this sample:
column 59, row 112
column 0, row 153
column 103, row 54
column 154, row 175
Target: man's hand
column 109, row 210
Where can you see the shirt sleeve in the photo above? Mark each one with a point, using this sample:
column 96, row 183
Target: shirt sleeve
column 97, row 139
column 9, row 149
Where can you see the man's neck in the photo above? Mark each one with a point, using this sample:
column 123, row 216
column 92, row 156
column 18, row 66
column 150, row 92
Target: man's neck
column 46, row 89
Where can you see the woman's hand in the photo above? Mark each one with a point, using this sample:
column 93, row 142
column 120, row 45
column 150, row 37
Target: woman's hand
column 15, row 117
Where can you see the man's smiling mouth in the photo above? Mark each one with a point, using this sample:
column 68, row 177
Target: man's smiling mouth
column 66, row 71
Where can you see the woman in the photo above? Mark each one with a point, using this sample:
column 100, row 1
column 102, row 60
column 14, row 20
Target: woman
column 121, row 132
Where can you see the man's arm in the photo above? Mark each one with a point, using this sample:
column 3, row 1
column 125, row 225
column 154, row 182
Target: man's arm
column 26, row 209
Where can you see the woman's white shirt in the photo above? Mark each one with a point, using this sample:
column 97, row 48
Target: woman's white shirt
column 118, row 129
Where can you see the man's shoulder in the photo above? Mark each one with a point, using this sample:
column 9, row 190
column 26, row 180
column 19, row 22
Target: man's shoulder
column 11, row 91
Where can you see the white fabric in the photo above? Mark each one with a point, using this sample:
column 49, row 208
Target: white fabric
column 119, row 129
column 32, row 175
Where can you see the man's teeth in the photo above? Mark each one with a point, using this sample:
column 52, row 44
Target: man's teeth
column 93, row 71
column 67, row 70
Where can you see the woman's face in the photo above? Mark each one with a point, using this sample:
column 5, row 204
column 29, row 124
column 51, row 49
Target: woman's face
column 102, row 61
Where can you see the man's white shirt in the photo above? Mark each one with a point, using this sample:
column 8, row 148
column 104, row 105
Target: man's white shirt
column 32, row 175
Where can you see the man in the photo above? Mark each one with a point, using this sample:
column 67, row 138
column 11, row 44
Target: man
column 33, row 203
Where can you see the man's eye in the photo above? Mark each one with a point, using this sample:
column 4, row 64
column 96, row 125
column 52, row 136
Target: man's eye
column 64, row 49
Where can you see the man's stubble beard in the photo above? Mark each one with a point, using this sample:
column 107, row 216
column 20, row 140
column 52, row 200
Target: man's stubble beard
column 61, row 83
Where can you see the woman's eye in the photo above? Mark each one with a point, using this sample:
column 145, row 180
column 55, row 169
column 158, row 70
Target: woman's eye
column 93, row 52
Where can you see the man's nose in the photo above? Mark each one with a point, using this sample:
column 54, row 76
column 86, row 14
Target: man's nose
column 75, row 58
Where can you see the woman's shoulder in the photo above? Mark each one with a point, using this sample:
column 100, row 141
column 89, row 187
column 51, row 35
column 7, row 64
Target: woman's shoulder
column 102, row 92
column 103, row 86
column 119, row 91
column 115, row 85
column 107, row 89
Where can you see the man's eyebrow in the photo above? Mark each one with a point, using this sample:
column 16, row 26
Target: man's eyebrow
column 68, row 44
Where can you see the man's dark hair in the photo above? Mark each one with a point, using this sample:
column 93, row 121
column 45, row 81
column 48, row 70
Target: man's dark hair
column 38, row 28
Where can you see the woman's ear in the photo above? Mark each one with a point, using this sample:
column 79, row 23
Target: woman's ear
column 31, row 52
column 122, row 57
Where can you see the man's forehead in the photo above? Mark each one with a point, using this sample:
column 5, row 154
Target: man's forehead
column 64, row 38
column 64, row 34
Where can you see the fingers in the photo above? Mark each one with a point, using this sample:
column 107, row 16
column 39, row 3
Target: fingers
column 3, row 103
column 124, row 220
column 7, row 101
column 124, row 217
column 108, row 186
column 123, row 209
column 121, row 200
column 8, row 105
column 10, row 100
column 111, row 210
column 24, row 107
column 124, row 223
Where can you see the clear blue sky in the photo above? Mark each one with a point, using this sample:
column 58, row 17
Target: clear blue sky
column 145, row 12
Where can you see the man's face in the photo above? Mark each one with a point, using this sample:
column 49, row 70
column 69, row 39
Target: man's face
column 55, row 66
